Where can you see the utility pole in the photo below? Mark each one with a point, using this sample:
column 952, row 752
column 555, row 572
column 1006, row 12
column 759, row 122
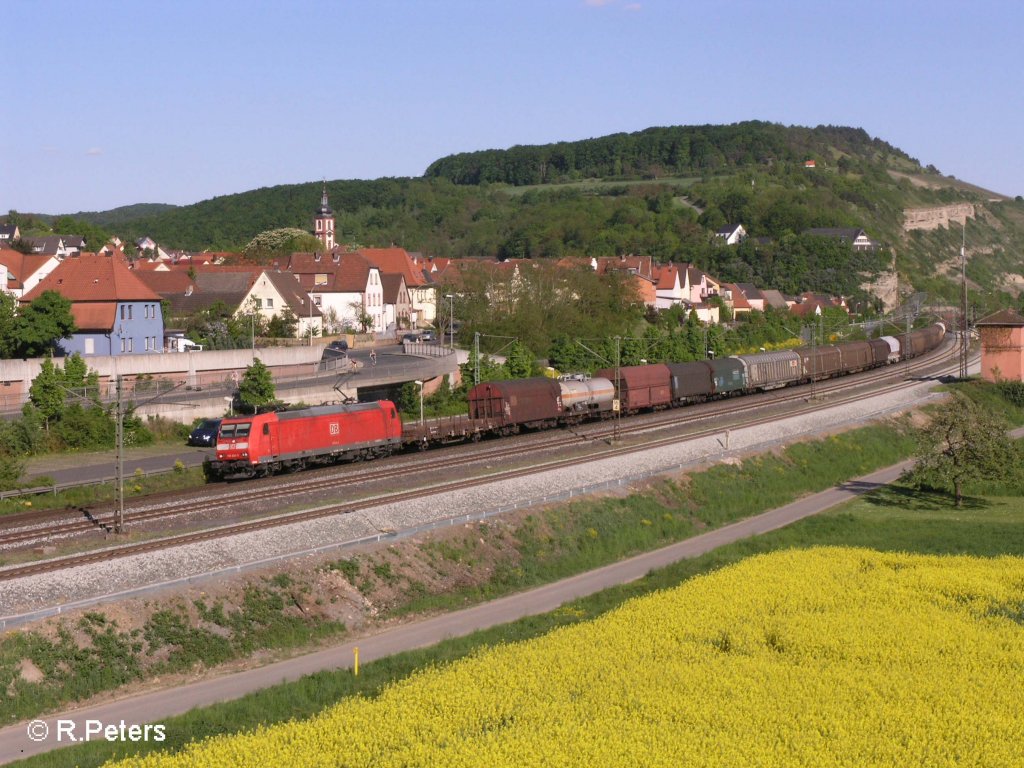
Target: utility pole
column 119, row 436
column 814, row 362
column 906, row 345
column 618, row 389
column 476, row 358
column 963, row 304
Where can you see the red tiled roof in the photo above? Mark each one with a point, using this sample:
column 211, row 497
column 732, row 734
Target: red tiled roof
column 1003, row 317
column 346, row 271
column 167, row 282
column 394, row 261
column 94, row 316
column 94, row 277
column 739, row 301
column 666, row 277
column 22, row 265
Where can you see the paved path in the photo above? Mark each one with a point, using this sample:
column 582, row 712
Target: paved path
column 158, row 705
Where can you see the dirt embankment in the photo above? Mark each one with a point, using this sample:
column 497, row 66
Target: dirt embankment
column 934, row 218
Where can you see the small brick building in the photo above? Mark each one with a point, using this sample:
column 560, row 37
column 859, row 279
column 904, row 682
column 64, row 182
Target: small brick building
column 1002, row 346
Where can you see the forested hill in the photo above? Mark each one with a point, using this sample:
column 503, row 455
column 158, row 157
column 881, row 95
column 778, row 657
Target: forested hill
column 660, row 192
column 657, row 152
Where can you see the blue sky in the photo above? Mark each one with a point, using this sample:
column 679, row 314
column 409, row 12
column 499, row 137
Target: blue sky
column 113, row 103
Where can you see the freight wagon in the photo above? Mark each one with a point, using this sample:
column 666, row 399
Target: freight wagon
column 770, row 370
column 820, row 362
column 641, row 386
column 534, row 403
column 690, row 382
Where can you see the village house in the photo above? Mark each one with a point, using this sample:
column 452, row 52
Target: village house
column 731, row 234
column 115, row 312
column 345, row 287
column 60, row 246
column 21, row 272
column 244, row 291
column 857, row 238
column 421, row 291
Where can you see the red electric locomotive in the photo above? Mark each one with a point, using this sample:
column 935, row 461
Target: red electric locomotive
column 250, row 446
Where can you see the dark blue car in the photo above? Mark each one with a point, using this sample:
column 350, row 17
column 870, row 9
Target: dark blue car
column 205, row 434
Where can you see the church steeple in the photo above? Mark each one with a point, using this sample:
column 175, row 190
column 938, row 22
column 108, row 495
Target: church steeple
column 323, row 222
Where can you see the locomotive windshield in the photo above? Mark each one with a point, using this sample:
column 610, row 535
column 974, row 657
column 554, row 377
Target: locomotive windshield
column 235, row 430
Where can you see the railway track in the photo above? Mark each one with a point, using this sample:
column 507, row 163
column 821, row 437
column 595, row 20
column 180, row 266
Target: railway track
column 49, row 527
column 30, row 528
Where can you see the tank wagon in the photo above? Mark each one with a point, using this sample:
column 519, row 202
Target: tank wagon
column 585, row 398
column 267, row 443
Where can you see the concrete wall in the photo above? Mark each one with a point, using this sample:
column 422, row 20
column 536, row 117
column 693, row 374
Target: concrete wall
column 205, row 381
column 196, row 369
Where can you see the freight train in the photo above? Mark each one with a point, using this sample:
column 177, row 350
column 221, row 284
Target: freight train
column 265, row 444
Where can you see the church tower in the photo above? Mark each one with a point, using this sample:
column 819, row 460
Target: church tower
column 323, row 222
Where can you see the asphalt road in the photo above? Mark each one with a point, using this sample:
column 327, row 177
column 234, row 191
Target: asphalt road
column 156, row 706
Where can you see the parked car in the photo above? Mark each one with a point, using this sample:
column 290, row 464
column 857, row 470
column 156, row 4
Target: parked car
column 205, row 434
column 334, row 350
column 428, row 336
column 412, row 338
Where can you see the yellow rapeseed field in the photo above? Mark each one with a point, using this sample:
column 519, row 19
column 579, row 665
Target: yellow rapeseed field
column 824, row 657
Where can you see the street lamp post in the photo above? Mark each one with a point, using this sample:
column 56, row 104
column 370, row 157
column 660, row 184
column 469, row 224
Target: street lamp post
column 451, row 318
column 419, row 382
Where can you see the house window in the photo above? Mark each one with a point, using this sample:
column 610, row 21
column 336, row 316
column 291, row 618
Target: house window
column 257, row 303
column 122, row 311
column 131, row 343
column 270, row 303
column 129, row 311
column 90, row 346
column 122, row 345
column 319, row 279
column 316, row 301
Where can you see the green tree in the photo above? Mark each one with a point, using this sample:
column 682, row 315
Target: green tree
column 520, row 361
column 79, row 379
column 41, row 324
column 961, row 443
column 257, row 386
column 280, row 242
column 46, row 394
column 11, row 469
column 283, row 326
column 8, row 306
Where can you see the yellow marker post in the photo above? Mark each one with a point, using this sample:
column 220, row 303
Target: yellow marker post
column 355, row 666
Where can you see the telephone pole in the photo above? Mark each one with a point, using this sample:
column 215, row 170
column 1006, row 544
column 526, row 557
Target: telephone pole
column 964, row 342
column 119, row 437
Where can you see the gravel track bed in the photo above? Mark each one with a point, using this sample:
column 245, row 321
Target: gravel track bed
column 32, row 597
